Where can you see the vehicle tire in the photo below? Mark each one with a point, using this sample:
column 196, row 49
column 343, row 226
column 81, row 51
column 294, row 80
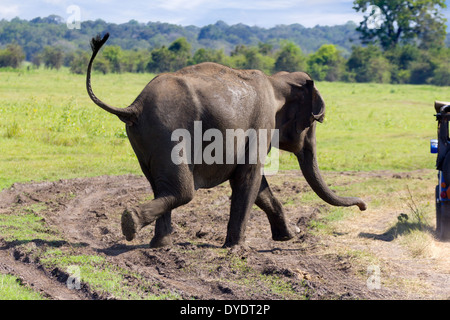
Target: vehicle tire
column 444, row 232
column 438, row 212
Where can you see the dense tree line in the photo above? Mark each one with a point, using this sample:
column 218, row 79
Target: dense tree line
column 400, row 41
column 402, row 64
column 37, row 33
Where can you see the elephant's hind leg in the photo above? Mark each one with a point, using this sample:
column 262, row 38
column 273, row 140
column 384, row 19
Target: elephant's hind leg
column 136, row 218
column 133, row 219
column 274, row 211
column 130, row 223
column 174, row 187
column 163, row 229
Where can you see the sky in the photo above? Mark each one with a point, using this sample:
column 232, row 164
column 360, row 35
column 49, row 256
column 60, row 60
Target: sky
column 262, row 13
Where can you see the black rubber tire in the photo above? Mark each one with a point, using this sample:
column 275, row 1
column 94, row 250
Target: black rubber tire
column 444, row 232
column 438, row 212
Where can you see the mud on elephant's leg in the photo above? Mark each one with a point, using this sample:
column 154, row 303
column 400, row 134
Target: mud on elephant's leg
column 131, row 223
column 274, row 211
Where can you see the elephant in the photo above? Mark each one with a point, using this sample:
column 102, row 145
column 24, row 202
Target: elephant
column 221, row 98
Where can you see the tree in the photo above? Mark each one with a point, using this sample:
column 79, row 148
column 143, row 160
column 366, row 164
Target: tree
column 290, row 58
column 441, row 76
column 326, row 63
column 401, row 59
column 12, row 56
column 53, row 57
column 423, row 69
column 161, row 60
column 102, row 65
column 141, row 59
column 114, row 55
column 208, row 55
column 367, row 64
column 254, row 59
column 211, row 32
column 181, row 52
column 173, row 58
column 37, row 60
column 391, row 21
column 243, row 57
column 79, row 62
column 265, row 48
column 135, row 60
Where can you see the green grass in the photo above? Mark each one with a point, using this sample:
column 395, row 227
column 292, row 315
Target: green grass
column 11, row 288
column 378, row 127
column 49, row 128
column 102, row 276
column 24, row 228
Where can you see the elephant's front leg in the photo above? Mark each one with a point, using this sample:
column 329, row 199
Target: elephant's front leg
column 245, row 186
column 274, row 211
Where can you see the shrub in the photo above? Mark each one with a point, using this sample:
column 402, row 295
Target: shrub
column 12, row 56
column 441, row 76
column 326, row 63
column 290, row 58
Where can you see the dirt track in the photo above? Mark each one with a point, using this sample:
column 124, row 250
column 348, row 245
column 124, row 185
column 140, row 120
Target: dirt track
column 86, row 213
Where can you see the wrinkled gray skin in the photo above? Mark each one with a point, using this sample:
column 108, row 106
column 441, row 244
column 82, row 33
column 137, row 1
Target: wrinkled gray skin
column 221, row 98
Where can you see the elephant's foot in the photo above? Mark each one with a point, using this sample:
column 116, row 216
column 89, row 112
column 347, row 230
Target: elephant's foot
column 130, row 224
column 228, row 245
column 159, row 242
column 282, row 237
column 231, row 243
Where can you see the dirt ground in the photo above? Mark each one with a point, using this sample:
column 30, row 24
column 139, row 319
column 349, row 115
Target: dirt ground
column 86, row 213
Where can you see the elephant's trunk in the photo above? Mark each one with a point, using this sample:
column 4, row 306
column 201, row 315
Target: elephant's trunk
column 308, row 163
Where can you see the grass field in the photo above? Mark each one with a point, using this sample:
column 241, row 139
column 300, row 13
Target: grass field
column 50, row 129
column 12, row 289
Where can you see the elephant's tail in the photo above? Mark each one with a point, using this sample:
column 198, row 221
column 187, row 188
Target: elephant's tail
column 127, row 115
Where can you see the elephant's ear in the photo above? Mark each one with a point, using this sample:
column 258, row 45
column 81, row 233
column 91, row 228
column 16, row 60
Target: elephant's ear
column 317, row 104
column 312, row 107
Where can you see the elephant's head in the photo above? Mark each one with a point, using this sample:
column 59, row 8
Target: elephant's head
column 301, row 105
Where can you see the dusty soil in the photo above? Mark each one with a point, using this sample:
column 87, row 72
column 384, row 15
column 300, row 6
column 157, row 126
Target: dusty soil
column 86, row 214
